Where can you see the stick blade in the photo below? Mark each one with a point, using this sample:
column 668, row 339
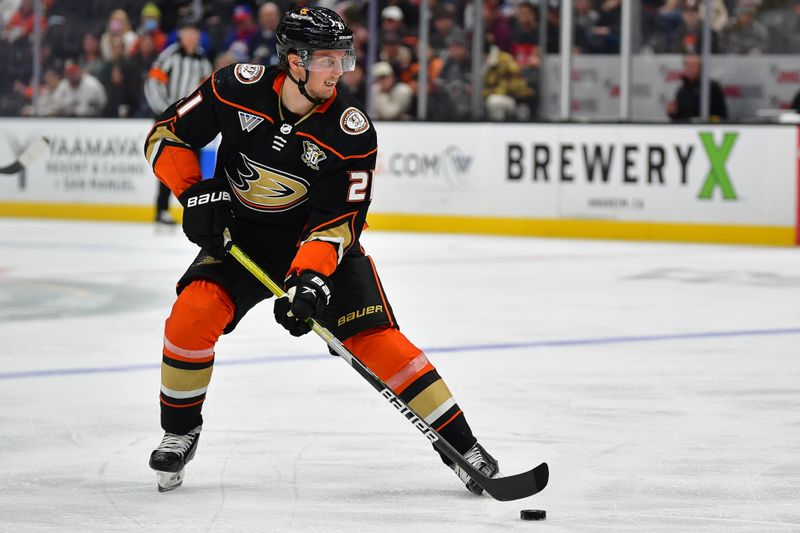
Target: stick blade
column 34, row 150
column 518, row 486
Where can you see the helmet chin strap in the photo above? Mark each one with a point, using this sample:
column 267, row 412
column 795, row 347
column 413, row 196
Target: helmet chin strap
column 301, row 85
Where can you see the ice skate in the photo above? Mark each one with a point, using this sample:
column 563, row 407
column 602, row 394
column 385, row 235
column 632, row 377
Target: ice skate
column 165, row 223
column 170, row 458
column 481, row 460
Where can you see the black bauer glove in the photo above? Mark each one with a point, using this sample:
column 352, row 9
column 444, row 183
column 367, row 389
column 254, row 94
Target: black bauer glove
column 306, row 297
column 206, row 214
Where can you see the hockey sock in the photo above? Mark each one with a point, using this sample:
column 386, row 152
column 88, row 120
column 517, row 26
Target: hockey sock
column 407, row 371
column 198, row 318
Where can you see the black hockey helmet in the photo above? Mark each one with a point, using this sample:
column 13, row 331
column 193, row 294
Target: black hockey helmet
column 306, row 29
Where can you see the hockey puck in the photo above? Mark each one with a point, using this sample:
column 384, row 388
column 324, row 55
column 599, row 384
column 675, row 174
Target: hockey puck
column 532, row 514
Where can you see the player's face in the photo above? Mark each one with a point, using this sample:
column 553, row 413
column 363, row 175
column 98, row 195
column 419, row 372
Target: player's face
column 325, row 69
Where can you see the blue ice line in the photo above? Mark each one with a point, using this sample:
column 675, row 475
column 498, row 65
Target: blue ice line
column 446, row 349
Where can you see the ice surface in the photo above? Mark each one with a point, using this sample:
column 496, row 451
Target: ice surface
column 661, row 382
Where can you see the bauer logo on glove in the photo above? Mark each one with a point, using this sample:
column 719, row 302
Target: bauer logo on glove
column 208, row 198
column 309, row 289
column 206, row 214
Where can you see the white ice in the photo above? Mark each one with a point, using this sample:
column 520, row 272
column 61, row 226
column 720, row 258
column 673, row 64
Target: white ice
column 661, row 382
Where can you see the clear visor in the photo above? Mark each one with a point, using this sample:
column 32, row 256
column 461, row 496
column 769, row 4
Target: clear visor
column 331, row 60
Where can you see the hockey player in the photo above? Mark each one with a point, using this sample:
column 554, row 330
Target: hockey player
column 293, row 183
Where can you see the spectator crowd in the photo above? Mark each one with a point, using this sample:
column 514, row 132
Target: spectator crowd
column 105, row 58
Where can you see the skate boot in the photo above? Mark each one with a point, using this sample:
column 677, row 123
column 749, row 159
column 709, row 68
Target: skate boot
column 482, row 461
column 171, row 456
column 165, row 218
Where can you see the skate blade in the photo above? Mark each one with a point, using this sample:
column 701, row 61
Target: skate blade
column 168, row 481
column 163, row 229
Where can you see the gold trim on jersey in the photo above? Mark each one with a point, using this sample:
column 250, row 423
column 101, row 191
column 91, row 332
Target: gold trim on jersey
column 159, row 135
column 263, row 188
column 340, row 236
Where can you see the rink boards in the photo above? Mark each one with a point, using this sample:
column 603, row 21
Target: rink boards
column 698, row 183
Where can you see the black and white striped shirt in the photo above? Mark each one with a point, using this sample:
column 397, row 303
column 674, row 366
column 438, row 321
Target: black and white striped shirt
column 174, row 74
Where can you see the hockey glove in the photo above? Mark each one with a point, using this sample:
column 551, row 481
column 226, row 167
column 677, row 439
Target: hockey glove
column 206, row 214
column 306, row 297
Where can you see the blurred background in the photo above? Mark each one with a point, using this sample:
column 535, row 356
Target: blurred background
column 477, row 60
column 641, row 119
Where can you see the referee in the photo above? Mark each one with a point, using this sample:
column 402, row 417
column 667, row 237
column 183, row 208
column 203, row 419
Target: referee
column 177, row 71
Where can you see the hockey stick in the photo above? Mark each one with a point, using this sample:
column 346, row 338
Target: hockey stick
column 502, row 488
column 30, row 154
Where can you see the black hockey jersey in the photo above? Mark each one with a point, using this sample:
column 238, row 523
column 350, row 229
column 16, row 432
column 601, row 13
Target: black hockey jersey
column 293, row 181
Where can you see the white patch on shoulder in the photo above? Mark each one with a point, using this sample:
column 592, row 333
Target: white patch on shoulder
column 353, row 121
column 247, row 73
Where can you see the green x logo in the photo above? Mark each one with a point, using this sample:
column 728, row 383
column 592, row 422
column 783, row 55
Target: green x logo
column 718, row 174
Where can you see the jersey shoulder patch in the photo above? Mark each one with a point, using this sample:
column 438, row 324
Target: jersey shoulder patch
column 248, row 73
column 353, row 121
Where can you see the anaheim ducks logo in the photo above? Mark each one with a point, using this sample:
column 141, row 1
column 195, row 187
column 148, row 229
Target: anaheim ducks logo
column 353, row 121
column 247, row 73
column 262, row 188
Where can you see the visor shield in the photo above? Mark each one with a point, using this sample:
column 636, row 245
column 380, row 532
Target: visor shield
column 329, row 62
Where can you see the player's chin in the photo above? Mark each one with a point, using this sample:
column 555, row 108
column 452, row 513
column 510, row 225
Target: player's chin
column 328, row 87
column 323, row 94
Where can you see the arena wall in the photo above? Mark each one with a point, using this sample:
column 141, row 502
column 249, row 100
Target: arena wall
column 722, row 183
